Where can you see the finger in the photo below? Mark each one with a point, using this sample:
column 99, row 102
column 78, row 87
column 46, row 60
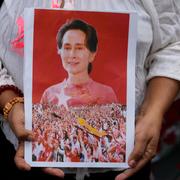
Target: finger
column 138, row 151
column 54, row 172
column 148, row 155
column 19, row 158
column 24, row 134
column 129, row 172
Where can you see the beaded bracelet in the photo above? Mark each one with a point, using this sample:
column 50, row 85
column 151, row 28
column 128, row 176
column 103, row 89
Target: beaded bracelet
column 11, row 87
column 9, row 105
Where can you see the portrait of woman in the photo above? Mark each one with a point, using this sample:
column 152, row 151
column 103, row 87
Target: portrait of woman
column 79, row 96
column 77, row 46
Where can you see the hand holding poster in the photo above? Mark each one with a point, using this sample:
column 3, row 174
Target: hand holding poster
column 79, row 97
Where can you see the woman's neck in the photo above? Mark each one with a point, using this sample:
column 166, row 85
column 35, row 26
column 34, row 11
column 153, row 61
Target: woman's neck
column 78, row 79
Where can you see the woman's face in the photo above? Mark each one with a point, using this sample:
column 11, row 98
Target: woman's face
column 74, row 53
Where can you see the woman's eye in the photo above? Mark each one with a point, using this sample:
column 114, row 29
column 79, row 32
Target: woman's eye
column 67, row 48
column 79, row 48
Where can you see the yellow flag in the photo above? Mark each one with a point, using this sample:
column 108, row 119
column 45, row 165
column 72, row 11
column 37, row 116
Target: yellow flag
column 90, row 129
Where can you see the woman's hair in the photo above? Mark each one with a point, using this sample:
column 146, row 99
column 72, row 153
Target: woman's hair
column 91, row 35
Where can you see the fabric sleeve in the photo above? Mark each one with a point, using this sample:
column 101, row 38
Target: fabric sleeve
column 166, row 60
column 166, row 63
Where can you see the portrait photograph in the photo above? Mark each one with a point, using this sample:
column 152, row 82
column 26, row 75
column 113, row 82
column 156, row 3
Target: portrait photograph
column 79, row 87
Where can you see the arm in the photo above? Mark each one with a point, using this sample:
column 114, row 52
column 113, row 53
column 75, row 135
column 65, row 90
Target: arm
column 7, row 94
column 160, row 94
column 163, row 85
column 16, row 122
column 16, row 115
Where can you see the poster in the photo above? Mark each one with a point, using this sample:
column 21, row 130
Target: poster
column 79, row 87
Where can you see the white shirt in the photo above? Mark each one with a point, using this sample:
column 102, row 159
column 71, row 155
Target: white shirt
column 158, row 46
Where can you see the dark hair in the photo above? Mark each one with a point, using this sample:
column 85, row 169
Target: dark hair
column 1, row 3
column 91, row 35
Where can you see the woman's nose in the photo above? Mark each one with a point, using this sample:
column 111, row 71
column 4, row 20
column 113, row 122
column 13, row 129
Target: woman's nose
column 72, row 53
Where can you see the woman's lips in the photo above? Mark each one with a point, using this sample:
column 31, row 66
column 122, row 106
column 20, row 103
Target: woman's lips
column 73, row 63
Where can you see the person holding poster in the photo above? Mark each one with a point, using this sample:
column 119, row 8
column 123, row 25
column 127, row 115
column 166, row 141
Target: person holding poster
column 77, row 46
column 157, row 75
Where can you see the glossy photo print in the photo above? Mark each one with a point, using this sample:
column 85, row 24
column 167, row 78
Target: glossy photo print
column 79, row 87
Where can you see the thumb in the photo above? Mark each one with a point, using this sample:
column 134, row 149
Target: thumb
column 23, row 134
column 54, row 172
column 138, row 151
column 19, row 158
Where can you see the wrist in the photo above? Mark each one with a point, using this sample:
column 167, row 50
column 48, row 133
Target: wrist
column 160, row 94
column 7, row 92
column 151, row 113
column 10, row 104
column 148, row 108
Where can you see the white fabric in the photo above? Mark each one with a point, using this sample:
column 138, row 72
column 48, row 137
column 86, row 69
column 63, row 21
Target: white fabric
column 4, row 77
column 159, row 17
column 158, row 46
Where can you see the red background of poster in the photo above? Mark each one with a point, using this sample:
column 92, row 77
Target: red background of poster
column 110, row 64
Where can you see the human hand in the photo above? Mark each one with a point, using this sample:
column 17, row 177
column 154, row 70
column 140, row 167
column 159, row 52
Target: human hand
column 17, row 124
column 22, row 165
column 160, row 93
column 16, row 121
column 147, row 132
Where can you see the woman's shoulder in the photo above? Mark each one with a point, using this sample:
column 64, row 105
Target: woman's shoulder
column 104, row 91
column 100, row 85
column 102, row 88
column 55, row 87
